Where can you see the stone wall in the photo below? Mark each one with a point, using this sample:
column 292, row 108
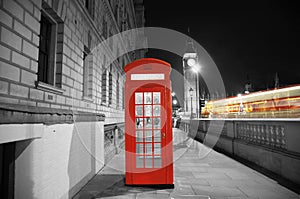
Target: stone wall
column 61, row 162
column 269, row 144
column 76, row 28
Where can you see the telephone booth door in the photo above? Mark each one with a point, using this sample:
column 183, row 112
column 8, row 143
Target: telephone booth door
column 148, row 138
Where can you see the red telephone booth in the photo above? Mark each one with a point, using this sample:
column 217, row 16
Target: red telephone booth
column 148, row 123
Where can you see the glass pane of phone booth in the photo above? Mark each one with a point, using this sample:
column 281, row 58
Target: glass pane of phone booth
column 148, row 129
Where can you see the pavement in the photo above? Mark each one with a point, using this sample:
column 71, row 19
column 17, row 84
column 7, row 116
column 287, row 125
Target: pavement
column 199, row 173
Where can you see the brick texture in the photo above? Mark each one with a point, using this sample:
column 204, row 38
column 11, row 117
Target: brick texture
column 4, row 52
column 28, row 78
column 9, row 71
column 36, row 94
column 27, row 4
column 30, row 50
column 14, row 8
column 32, row 22
column 5, row 18
column 11, row 39
column 20, row 60
column 18, row 90
column 3, row 87
column 21, row 29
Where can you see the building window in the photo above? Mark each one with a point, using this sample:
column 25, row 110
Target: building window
column 104, row 27
column 116, row 13
column 87, row 72
column 90, row 5
column 46, row 66
column 89, row 40
column 117, row 92
column 123, row 97
column 110, row 41
column 50, row 53
column 118, row 57
column 104, row 87
column 110, row 88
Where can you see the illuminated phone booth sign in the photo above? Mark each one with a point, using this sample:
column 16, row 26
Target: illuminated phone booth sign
column 148, row 123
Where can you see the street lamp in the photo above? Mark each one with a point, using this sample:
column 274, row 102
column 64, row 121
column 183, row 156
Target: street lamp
column 175, row 102
column 191, row 94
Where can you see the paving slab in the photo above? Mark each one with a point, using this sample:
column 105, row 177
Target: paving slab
column 199, row 173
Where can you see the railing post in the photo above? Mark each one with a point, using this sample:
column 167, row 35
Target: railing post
column 116, row 139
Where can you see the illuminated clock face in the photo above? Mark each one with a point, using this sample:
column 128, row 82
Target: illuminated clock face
column 191, row 62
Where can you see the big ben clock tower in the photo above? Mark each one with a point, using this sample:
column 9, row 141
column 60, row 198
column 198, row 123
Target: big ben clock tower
column 190, row 71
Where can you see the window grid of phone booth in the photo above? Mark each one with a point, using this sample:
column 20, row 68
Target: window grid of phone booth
column 148, row 129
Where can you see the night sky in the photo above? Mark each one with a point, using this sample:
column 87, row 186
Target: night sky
column 244, row 38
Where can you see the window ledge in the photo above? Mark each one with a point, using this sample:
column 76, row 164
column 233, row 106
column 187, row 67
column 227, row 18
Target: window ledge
column 47, row 87
column 104, row 104
column 88, row 99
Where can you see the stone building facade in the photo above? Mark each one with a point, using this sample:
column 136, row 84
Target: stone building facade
column 61, row 95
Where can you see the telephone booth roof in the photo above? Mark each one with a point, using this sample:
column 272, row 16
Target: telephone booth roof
column 145, row 61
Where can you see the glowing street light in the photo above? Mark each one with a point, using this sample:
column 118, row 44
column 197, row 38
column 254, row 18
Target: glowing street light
column 175, row 102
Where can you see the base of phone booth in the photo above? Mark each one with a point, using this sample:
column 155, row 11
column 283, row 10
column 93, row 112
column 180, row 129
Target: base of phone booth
column 152, row 178
column 154, row 186
column 154, row 183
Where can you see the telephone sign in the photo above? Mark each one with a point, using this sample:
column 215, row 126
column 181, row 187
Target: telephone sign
column 148, row 123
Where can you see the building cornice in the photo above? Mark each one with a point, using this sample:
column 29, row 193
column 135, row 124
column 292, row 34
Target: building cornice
column 22, row 114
